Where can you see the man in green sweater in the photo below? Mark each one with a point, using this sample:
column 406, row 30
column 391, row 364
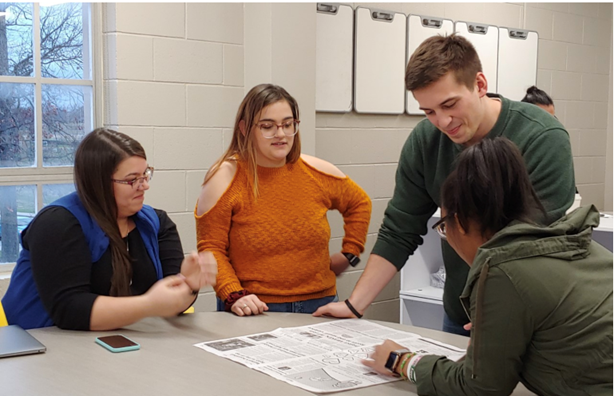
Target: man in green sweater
column 445, row 76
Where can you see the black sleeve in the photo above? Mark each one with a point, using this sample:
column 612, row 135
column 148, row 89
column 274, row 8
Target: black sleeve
column 61, row 267
column 171, row 252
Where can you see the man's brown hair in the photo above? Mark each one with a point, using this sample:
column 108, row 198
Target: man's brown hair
column 437, row 56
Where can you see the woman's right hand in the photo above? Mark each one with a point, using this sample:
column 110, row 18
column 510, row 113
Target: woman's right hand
column 249, row 305
column 199, row 269
column 169, row 296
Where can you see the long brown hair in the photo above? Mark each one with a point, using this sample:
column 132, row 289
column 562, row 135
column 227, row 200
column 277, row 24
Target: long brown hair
column 96, row 160
column 242, row 147
column 491, row 186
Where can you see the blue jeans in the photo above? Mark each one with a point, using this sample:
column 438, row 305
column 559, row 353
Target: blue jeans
column 306, row 306
column 450, row 326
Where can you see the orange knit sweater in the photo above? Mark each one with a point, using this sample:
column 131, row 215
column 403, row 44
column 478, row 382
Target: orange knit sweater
column 276, row 246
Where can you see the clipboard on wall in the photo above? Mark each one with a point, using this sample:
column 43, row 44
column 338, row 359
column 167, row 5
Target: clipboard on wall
column 517, row 62
column 485, row 39
column 334, row 57
column 419, row 28
column 379, row 66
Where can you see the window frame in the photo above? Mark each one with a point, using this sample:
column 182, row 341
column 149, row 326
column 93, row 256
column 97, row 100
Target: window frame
column 38, row 175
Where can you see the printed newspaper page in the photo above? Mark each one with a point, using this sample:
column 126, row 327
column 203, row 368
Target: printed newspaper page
column 325, row 357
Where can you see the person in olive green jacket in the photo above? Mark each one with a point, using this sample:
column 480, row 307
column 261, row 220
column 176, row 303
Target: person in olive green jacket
column 539, row 297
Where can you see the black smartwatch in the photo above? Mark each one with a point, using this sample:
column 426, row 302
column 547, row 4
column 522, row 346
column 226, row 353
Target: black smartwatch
column 354, row 260
column 394, row 358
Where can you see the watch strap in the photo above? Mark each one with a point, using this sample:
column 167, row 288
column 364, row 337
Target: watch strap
column 352, row 258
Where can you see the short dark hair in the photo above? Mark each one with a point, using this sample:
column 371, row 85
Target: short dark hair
column 490, row 186
column 537, row 96
column 96, row 160
column 437, row 56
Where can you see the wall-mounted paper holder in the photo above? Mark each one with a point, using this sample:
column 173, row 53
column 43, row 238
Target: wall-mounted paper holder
column 432, row 23
column 518, row 34
column 327, row 8
column 478, row 29
column 382, row 16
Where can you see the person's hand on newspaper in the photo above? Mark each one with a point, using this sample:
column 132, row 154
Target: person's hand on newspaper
column 335, row 309
column 378, row 358
column 249, row 305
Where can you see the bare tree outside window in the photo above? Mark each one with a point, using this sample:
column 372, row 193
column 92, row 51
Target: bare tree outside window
column 46, row 93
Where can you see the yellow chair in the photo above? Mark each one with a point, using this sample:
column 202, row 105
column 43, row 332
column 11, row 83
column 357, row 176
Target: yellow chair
column 3, row 321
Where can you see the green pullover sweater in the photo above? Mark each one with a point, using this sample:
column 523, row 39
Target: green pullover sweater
column 427, row 159
column 540, row 300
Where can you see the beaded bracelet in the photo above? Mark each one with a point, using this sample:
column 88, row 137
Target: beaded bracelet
column 402, row 369
column 412, row 367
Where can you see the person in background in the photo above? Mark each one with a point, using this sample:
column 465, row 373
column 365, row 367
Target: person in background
column 539, row 297
column 539, row 98
column 262, row 212
column 445, row 76
column 98, row 258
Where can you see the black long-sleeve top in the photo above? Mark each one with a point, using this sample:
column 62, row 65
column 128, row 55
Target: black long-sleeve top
column 68, row 282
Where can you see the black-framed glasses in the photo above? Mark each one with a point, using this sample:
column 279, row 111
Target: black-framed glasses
column 440, row 226
column 138, row 181
column 269, row 128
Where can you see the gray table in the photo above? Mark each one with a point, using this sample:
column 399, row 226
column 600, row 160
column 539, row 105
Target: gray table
column 168, row 363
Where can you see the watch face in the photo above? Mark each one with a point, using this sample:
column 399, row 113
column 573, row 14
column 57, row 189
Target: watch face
column 392, row 360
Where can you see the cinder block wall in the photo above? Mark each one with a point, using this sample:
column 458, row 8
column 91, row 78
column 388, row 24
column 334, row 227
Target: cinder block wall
column 173, row 76
column 175, row 73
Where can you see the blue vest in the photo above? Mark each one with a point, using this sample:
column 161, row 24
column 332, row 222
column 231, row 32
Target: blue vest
column 23, row 305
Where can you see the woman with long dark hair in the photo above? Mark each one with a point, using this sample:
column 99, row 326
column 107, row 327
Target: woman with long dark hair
column 539, row 297
column 99, row 259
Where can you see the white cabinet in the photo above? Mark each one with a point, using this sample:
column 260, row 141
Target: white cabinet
column 421, row 303
column 603, row 233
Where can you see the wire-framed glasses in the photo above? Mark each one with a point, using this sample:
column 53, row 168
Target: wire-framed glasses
column 269, row 129
column 440, row 226
column 138, row 181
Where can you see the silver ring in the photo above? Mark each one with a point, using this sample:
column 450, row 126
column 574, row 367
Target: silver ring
column 245, row 306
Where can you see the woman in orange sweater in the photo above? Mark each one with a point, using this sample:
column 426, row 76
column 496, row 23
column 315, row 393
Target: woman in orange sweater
column 262, row 212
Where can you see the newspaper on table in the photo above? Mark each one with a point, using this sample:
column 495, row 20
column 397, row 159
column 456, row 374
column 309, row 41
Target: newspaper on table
column 325, row 357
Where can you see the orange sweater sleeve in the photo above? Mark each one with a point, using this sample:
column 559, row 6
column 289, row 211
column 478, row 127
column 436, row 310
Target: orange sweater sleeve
column 354, row 205
column 212, row 230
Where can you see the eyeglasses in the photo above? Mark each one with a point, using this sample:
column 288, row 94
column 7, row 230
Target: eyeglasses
column 269, row 129
column 138, row 181
column 440, row 226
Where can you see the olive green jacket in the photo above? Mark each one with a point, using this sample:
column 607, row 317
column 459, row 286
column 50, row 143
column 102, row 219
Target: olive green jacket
column 540, row 300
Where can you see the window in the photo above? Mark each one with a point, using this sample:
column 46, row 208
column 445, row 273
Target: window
column 47, row 91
